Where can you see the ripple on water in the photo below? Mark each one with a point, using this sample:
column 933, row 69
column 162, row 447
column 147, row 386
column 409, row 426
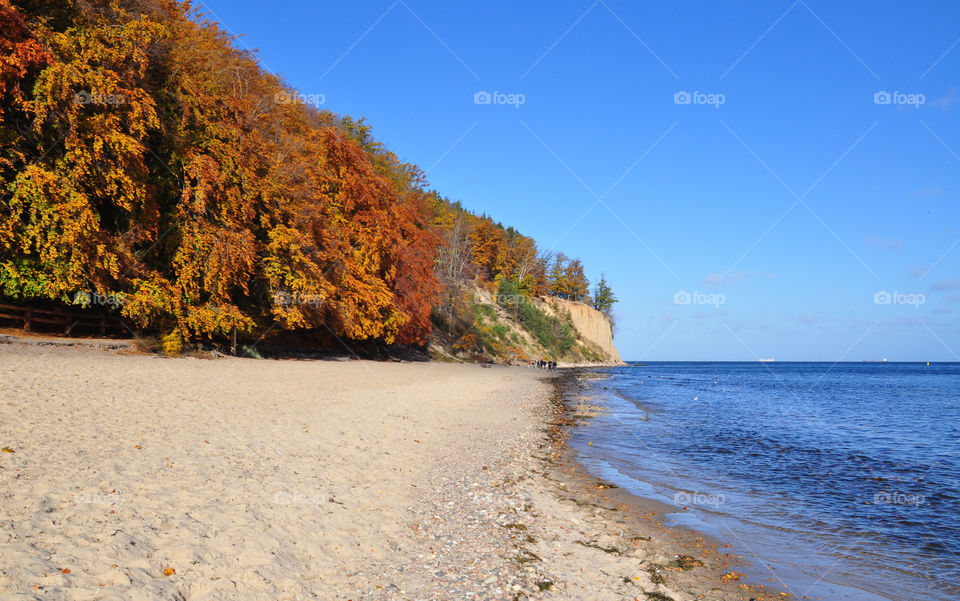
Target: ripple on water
column 852, row 472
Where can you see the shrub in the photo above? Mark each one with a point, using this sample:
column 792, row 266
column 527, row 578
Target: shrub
column 172, row 344
column 555, row 334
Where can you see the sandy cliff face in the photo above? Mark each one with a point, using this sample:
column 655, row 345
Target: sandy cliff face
column 496, row 333
column 593, row 325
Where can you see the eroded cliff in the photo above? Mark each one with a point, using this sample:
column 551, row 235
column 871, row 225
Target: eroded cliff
column 592, row 325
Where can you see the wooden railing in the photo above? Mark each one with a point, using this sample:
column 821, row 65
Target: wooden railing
column 68, row 320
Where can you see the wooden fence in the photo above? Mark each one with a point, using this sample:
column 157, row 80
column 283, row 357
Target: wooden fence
column 62, row 318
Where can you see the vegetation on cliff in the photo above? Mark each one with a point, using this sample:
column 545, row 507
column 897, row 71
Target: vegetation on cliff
column 145, row 159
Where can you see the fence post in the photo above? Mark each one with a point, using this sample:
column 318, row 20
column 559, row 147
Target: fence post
column 27, row 316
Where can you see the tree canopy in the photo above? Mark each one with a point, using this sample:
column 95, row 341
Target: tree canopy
column 143, row 155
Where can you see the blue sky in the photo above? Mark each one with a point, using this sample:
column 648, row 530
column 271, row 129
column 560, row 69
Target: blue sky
column 784, row 199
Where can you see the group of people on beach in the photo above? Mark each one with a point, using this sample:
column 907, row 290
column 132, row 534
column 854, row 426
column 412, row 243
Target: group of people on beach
column 544, row 364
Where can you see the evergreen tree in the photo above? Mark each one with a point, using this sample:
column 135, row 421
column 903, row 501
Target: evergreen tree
column 603, row 296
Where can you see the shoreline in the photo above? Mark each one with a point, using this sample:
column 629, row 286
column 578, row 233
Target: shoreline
column 626, row 533
column 132, row 476
column 778, row 558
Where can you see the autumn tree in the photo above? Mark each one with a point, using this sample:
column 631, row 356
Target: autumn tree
column 143, row 154
column 77, row 206
column 557, row 276
column 166, row 170
column 577, row 284
column 567, row 280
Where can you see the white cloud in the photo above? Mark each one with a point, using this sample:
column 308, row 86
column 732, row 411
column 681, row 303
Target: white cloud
column 945, row 102
column 881, row 244
column 931, row 192
column 946, row 284
column 715, row 280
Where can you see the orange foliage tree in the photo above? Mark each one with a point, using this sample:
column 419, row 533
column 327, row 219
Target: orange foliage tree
column 143, row 155
column 164, row 168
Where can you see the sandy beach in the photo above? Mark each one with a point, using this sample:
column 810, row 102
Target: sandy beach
column 130, row 476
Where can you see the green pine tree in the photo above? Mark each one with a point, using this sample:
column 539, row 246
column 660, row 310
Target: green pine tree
column 603, row 296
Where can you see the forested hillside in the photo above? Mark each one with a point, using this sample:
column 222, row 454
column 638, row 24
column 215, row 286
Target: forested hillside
column 145, row 159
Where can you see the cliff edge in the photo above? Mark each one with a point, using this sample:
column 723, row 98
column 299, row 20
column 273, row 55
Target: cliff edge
column 482, row 326
column 593, row 326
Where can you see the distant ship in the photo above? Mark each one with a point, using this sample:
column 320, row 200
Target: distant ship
column 766, row 360
column 884, row 360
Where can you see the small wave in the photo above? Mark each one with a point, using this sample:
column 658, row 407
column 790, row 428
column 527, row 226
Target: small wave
column 800, row 468
column 640, row 405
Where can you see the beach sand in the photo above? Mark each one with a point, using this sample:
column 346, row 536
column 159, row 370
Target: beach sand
column 130, row 476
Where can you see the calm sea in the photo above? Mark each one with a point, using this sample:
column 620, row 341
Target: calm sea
column 839, row 482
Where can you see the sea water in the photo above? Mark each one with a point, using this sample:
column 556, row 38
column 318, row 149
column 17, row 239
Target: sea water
column 833, row 481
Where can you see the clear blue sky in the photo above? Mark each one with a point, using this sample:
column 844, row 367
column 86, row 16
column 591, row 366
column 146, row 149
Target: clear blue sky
column 797, row 199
